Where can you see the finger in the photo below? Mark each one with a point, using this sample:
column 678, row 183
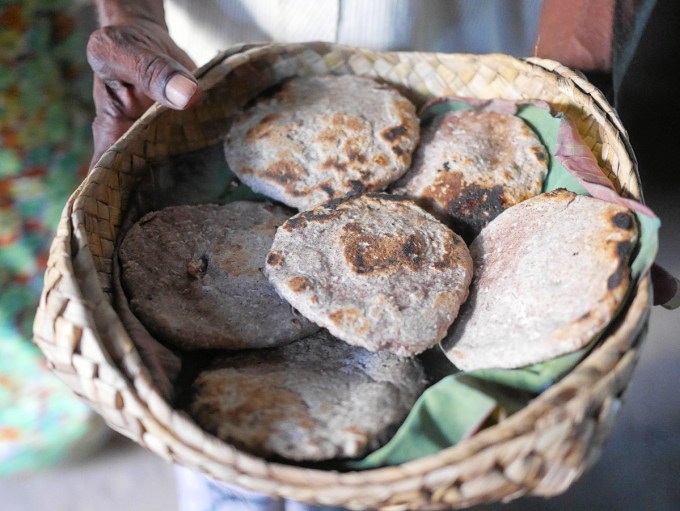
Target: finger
column 116, row 110
column 105, row 132
column 133, row 58
column 116, row 99
column 179, row 90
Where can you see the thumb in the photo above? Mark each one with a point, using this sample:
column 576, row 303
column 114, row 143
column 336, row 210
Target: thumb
column 179, row 90
column 124, row 56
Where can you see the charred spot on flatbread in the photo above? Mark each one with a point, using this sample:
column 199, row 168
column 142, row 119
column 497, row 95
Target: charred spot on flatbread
column 471, row 165
column 369, row 253
column 474, row 207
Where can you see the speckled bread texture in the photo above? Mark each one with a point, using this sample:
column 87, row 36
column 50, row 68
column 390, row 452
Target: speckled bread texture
column 193, row 275
column 471, row 165
column 550, row 274
column 321, row 137
column 315, row 399
column 376, row 270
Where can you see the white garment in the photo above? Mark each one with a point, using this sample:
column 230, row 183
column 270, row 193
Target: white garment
column 204, row 27
column 195, row 492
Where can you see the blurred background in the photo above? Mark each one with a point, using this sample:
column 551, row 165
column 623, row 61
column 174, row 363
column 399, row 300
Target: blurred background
column 55, row 454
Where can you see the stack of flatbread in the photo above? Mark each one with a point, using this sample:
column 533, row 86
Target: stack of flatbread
column 280, row 386
column 320, row 302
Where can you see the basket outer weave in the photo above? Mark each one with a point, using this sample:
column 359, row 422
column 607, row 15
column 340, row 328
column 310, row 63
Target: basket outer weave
column 540, row 450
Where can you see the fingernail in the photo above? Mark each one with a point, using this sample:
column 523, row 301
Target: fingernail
column 179, row 90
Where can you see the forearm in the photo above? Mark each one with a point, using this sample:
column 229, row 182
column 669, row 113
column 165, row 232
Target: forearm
column 114, row 12
column 577, row 33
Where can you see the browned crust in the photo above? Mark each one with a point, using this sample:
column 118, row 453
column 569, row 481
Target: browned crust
column 471, row 165
column 375, row 269
column 321, row 137
column 550, row 274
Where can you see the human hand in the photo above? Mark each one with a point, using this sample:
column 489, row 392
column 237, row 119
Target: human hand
column 135, row 63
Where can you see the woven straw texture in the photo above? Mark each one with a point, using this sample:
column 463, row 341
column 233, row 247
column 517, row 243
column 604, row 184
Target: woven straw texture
column 540, row 450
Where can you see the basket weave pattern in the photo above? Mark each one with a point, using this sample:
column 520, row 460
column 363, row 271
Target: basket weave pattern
column 540, row 450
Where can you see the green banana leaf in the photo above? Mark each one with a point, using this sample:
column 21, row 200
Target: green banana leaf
column 446, row 413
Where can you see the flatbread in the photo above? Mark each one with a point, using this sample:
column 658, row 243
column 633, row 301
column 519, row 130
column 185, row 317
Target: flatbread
column 376, row 270
column 315, row 399
column 471, row 165
column 320, row 137
column 193, row 276
column 550, row 274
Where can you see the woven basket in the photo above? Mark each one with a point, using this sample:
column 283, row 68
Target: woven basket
column 540, row 450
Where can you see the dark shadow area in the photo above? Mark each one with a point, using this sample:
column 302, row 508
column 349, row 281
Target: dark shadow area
column 649, row 103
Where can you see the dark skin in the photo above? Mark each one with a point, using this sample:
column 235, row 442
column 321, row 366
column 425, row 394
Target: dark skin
column 136, row 62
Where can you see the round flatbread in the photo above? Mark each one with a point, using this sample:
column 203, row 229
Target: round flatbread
column 376, row 270
column 471, row 165
column 550, row 274
column 193, row 276
column 314, row 399
column 320, row 137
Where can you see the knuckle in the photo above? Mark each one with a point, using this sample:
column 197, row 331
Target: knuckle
column 155, row 71
column 102, row 46
column 152, row 68
column 95, row 46
column 122, row 55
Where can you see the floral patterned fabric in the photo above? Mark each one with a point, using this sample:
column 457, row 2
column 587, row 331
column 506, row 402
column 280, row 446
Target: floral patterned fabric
column 45, row 148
